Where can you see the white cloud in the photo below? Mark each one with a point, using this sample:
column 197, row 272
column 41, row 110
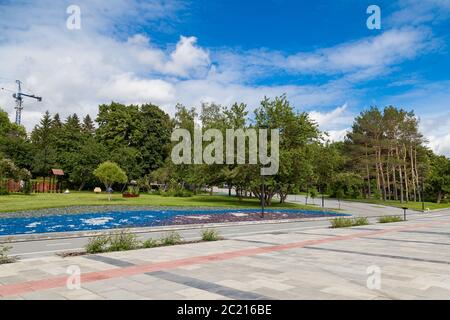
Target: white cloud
column 186, row 57
column 413, row 12
column 335, row 122
column 357, row 60
column 440, row 144
column 435, row 128
column 338, row 116
column 186, row 60
column 128, row 89
column 338, row 135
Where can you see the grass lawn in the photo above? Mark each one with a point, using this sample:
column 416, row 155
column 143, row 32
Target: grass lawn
column 410, row 205
column 20, row 202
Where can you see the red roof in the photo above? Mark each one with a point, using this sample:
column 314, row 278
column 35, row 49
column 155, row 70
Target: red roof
column 58, row 172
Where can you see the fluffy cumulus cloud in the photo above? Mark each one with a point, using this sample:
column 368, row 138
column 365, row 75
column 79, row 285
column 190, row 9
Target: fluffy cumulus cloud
column 111, row 59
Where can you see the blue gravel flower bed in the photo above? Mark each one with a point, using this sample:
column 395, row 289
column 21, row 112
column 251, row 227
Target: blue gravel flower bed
column 142, row 218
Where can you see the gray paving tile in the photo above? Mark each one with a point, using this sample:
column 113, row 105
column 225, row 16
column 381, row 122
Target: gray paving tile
column 379, row 255
column 208, row 286
column 410, row 241
column 109, row 260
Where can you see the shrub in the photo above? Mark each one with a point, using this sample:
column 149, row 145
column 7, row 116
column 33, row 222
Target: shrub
column 361, row 221
column 150, row 243
column 210, row 235
column 177, row 193
column 186, row 194
column 345, row 222
column 97, row 244
column 389, row 219
column 123, row 241
column 134, row 190
column 4, row 192
column 27, row 188
column 156, row 192
column 4, row 258
column 313, row 193
column 341, row 223
column 171, row 239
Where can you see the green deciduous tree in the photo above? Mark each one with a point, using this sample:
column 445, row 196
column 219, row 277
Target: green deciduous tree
column 109, row 173
column 438, row 180
column 14, row 143
column 139, row 133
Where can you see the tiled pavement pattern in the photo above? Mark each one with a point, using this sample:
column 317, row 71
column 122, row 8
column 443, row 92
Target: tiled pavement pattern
column 315, row 264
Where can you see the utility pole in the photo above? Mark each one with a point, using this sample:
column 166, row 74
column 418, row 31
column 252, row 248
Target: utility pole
column 19, row 101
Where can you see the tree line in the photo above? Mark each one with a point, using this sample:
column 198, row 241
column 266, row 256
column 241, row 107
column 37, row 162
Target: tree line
column 384, row 156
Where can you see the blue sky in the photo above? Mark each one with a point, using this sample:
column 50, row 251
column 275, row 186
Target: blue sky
column 320, row 53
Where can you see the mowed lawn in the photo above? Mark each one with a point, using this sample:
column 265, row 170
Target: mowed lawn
column 410, row 204
column 20, row 202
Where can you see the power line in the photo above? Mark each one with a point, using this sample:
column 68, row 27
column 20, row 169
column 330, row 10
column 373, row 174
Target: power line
column 7, row 89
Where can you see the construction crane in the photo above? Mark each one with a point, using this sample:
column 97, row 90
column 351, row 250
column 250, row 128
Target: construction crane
column 19, row 100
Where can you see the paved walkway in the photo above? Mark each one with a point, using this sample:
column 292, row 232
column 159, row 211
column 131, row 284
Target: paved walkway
column 407, row 260
column 359, row 209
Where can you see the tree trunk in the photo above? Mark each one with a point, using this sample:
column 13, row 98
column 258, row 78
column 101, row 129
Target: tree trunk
column 388, row 175
column 368, row 175
column 419, row 185
column 400, row 175
column 406, row 174
column 439, row 197
column 413, row 175
column 378, row 178
column 382, row 173
column 394, row 181
column 82, row 186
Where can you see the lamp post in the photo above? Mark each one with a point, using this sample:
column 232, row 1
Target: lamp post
column 263, row 197
column 423, row 196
